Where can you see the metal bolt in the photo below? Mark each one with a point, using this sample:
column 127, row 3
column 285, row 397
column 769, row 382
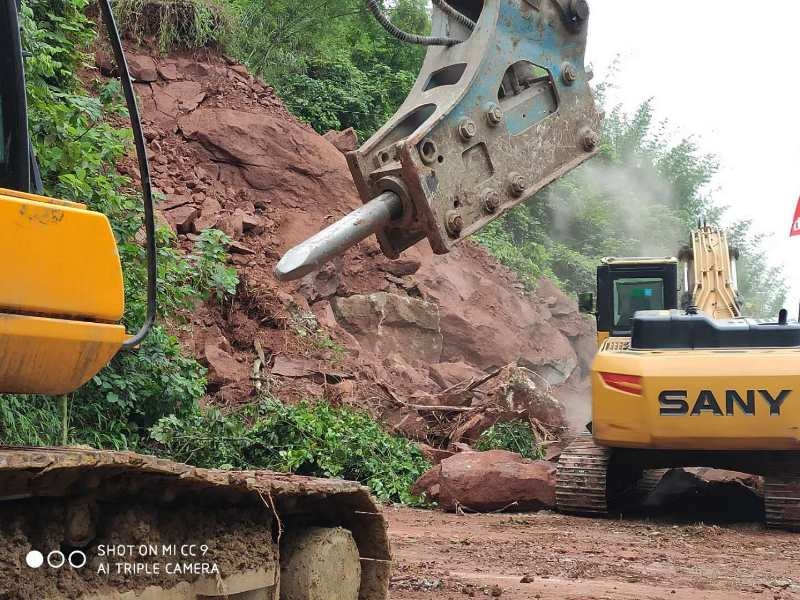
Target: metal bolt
column 428, row 151
column 467, row 128
column 494, row 115
column 568, row 73
column 590, row 139
column 455, row 223
column 517, row 183
column 580, row 9
column 490, row 201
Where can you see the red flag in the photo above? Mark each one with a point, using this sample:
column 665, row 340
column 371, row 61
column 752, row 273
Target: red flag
column 796, row 223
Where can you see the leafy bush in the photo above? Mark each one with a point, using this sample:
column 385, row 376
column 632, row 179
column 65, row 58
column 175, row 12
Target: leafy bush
column 514, row 436
column 310, row 439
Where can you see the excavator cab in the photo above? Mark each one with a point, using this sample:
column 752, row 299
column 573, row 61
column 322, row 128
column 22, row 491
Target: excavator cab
column 628, row 285
column 62, row 294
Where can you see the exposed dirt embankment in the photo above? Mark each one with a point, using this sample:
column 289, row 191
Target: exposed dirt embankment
column 365, row 330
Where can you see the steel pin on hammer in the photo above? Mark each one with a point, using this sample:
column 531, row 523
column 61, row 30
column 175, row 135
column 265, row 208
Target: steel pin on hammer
column 335, row 239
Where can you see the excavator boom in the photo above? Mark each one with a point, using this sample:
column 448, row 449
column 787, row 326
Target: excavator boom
column 710, row 273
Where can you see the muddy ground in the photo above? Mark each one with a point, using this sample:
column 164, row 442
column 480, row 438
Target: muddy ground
column 449, row 556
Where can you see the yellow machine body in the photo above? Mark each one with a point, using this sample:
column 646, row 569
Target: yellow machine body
column 62, row 295
column 712, row 399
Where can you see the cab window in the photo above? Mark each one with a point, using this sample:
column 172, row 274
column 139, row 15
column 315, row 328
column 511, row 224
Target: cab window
column 633, row 294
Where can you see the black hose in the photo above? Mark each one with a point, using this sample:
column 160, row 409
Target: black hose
column 454, row 14
column 404, row 36
column 144, row 171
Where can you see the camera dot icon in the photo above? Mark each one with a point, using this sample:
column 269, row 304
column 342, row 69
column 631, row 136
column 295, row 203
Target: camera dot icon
column 34, row 559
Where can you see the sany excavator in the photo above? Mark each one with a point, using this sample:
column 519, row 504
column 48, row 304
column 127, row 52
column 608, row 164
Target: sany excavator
column 502, row 107
column 671, row 386
column 682, row 379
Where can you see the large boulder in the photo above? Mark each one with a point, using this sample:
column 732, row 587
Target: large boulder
column 273, row 154
column 486, row 321
column 387, row 324
column 487, row 481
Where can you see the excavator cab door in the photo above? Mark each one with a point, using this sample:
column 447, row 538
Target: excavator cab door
column 61, row 291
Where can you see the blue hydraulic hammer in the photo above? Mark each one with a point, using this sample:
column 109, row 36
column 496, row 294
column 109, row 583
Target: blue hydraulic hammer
column 502, row 107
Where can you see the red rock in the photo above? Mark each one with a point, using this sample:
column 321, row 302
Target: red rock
column 447, row 375
column 233, row 225
column 168, row 71
column 406, row 422
column 470, row 429
column 285, row 366
column 193, row 102
column 402, row 267
column 434, row 455
column 222, row 367
column 142, row 67
column 196, row 69
column 204, row 222
column 182, row 218
column 252, row 223
column 174, row 201
column 322, row 284
column 428, row 479
column 241, row 70
column 273, row 153
column 105, row 63
column 239, row 248
column 343, row 141
column 493, row 480
column 706, row 491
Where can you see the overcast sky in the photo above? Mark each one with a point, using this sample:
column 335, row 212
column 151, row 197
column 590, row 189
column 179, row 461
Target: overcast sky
column 729, row 74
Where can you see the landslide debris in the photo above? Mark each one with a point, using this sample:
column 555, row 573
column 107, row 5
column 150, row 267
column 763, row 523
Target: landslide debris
column 385, row 336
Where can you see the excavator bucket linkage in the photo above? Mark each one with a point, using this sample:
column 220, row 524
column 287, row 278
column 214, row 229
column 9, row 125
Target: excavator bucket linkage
column 489, row 122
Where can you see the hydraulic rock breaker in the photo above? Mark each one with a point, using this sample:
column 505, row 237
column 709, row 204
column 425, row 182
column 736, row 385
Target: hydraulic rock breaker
column 501, row 108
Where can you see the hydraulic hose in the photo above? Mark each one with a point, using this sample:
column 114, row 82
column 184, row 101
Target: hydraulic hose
column 409, row 38
column 144, row 171
column 454, row 14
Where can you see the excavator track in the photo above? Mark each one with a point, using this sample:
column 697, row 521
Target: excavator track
column 262, row 535
column 782, row 502
column 581, row 478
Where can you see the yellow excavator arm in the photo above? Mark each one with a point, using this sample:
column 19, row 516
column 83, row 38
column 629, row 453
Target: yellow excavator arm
column 709, row 274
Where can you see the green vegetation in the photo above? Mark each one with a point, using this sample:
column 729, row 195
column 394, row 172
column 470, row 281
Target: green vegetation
column 514, row 436
column 310, row 439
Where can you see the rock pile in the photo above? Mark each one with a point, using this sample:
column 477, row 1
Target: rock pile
column 225, row 153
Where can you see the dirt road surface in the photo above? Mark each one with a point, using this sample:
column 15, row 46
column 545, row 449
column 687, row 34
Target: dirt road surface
column 547, row 556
